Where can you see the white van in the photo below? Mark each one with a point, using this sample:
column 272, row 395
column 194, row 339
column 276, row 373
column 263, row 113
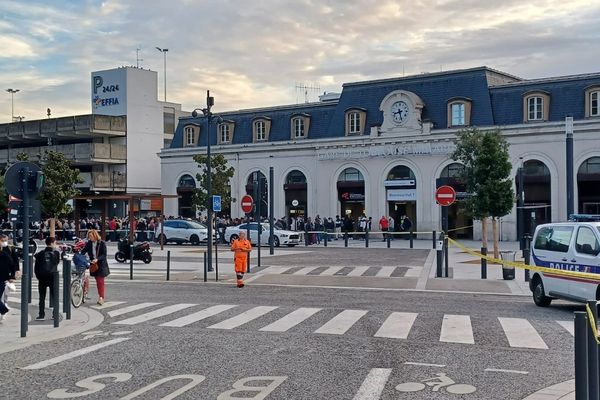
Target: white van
column 569, row 246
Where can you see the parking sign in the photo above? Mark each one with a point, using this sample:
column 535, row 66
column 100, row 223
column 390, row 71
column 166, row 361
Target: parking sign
column 216, row 203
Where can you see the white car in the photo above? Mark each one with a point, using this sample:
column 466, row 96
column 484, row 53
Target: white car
column 280, row 236
column 182, row 231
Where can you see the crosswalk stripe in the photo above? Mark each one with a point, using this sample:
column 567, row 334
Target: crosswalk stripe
column 135, row 307
column 340, row 324
column 373, row 385
column 305, row 270
column 520, row 333
column 161, row 312
column 385, row 272
column 243, row 318
column 397, row 325
column 109, row 304
column 291, row 320
column 331, row 271
column 568, row 325
column 457, row 329
column 358, row 271
column 198, row 316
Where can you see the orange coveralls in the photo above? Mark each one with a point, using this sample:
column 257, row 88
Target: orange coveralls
column 240, row 249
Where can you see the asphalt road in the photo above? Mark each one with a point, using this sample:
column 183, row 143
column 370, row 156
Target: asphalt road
column 326, row 344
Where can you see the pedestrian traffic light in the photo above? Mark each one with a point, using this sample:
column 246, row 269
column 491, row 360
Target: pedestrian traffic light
column 40, row 179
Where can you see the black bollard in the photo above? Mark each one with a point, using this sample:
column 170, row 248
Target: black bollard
column 484, row 263
column 205, row 269
column 305, row 238
column 593, row 377
column 581, row 356
column 366, row 238
column 325, row 239
column 67, row 299
column 433, row 241
column 56, row 300
column 440, row 261
column 345, row 239
column 29, row 279
column 130, row 262
column 388, row 240
column 168, row 265
column 410, row 237
column 527, row 255
column 446, row 261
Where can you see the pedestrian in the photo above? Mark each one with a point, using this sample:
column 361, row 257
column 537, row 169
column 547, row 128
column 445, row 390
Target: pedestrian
column 9, row 269
column 391, row 227
column 241, row 247
column 95, row 248
column 46, row 265
column 406, row 225
column 384, row 225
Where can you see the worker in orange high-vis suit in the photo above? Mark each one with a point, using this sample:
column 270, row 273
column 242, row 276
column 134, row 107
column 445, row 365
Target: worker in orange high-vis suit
column 241, row 248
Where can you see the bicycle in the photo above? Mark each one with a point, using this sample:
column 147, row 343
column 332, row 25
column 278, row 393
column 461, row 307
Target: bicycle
column 78, row 287
column 441, row 380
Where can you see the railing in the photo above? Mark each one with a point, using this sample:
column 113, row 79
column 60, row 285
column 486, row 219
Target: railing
column 79, row 152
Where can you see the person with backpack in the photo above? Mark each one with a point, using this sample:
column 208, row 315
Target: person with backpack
column 95, row 248
column 46, row 264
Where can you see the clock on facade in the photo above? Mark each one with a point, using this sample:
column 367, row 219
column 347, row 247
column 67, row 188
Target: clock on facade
column 399, row 112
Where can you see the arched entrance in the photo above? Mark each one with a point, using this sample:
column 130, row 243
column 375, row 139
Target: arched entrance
column 351, row 193
column 185, row 191
column 588, row 186
column 295, row 189
column 538, row 195
column 458, row 215
column 401, row 195
column 263, row 196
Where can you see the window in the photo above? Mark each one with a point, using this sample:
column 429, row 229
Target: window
column 594, row 104
column 353, row 122
column 557, row 239
column 189, row 135
column 298, row 127
column 586, row 242
column 224, row 133
column 261, row 130
column 459, row 111
column 458, row 114
column 535, row 107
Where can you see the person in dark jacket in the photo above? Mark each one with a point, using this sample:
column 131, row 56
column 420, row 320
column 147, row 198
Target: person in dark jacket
column 95, row 248
column 9, row 268
column 46, row 264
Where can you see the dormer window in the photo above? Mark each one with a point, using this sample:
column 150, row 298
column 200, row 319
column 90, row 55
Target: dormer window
column 190, row 135
column 592, row 101
column 536, row 106
column 355, row 121
column 300, row 125
column 459, row 112
column 260, row 129
column 225, row 132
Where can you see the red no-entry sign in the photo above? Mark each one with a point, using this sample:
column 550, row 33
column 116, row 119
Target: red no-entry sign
column 247, row 203
column 445, row 195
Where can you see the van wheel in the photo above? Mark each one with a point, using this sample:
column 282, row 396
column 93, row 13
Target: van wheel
column 539, row 296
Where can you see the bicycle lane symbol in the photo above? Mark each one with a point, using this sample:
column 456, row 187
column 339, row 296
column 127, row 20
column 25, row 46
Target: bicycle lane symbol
column 440, row 381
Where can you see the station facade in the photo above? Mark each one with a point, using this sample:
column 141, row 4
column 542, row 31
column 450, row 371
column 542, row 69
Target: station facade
column 382, row 147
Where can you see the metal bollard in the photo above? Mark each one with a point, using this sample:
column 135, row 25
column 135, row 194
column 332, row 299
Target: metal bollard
column 593, row 377
column 345, row 239
column 305, row 238
column 65, row 295
column 440, row 260
column 527, row 255
column 446, row 261
column 388, row 240
column 29, row 279
column 433, row 240
column 130, row 262
column 55, row 295
column 205, row 268
column 325, row 241
column 483, row 263
column 168, row 265
column 581, row 356
column 410, row 237
column 367, row 238
column 67, row 288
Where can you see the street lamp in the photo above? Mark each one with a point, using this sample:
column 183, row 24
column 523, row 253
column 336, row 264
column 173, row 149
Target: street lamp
column 12, row 103
column 164, row 51
column 210, row 101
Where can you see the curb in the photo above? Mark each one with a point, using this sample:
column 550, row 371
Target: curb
column 560, row 391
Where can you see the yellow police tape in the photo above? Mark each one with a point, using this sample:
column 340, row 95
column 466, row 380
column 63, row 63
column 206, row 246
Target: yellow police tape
column 592, row 322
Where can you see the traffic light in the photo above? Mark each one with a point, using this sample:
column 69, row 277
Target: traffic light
column 40, row 179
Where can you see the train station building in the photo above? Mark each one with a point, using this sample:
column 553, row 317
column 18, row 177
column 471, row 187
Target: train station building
column 382, row 147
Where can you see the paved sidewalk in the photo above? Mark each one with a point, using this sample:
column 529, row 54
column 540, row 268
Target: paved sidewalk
column 82, row 319
column 561, row 391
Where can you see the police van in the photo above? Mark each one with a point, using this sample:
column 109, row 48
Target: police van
column 566, row 246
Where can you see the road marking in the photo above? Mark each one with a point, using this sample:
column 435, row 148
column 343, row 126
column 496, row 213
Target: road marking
column 385, row 272
column 331, row 271
column 243, row 318
column 340, row 324
column 161, row 312
column 291, row 320
column 198, row 316
column 568, row 325
column 425, row 364
column 109, row 304
column 508, row 371
column 373, row 385
column 135, row 307
column 520, row 333
column 457, row 329
column 397, row 325
column 357, row 271
column 74, row 354
column 305, row 270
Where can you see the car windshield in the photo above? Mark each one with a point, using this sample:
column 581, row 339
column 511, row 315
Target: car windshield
column 196, row 225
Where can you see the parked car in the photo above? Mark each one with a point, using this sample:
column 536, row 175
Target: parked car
column 182, row 231
column 280, row 236
column 567, row 246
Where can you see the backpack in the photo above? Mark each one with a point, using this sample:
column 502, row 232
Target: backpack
column 47, row 264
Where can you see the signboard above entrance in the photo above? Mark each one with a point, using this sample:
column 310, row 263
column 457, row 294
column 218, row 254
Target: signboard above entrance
column 396, row 150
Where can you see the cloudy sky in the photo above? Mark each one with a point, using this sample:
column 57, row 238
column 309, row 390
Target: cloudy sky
column 254, row 53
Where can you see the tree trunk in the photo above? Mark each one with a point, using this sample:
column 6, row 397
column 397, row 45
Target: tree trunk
column 484, row 238
column 495, row 237
column 52, row 227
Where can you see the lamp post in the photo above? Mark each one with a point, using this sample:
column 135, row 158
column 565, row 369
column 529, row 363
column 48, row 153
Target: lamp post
column 520, row 205
column 164, row 51
column 210, row 101
column 12, row 103
column 569, row 148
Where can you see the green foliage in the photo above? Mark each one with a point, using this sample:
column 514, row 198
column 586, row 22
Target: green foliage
column 221, row 174
column 21, row 156
column 3, row 195
column 487, row 172
column 60, row 183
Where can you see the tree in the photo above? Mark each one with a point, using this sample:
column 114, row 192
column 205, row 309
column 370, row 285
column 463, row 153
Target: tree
column 487, row 177
column 221, row 174
column 59, row 186
column 22, row 156
column 3, row 194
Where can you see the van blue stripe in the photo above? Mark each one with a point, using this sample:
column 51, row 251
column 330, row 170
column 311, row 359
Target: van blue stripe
column 565, row 266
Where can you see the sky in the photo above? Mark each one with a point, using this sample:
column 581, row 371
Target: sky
column 255, row 53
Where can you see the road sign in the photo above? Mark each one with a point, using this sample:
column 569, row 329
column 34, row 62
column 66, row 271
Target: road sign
column 216, row 203
column 247, row 203
column 445, row 195
column 13, row 179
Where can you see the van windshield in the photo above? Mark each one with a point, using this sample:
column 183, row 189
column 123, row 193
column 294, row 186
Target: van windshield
column 556, row 238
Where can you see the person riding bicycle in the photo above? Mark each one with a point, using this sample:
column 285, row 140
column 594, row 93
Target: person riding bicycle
column 81, row 263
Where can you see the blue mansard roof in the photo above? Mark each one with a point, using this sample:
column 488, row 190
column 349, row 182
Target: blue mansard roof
column 496, row 98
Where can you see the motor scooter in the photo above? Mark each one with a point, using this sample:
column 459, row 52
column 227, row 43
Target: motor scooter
column 141, row 251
